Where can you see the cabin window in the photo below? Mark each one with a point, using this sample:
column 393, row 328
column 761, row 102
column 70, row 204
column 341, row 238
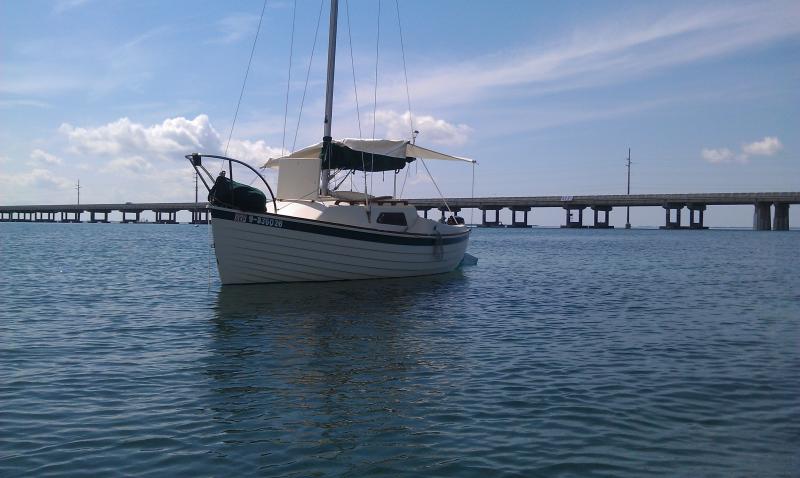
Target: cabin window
column 393, row 218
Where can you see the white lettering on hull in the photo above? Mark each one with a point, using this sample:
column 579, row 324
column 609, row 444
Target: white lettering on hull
column 260, row 220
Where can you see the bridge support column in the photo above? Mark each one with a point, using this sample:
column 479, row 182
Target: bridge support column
column 572, row 223
column 761, row 220
column 94, row 214
column 200, row 216
column 524, row 221
column 696, row 223
column 668, row 222
column 424, row 210
column 170, row 219
column 598, row 224
column 444, row 211
column 44, row 216
column 5, row 217
column 781, row 222
column 496, row 222
column 65, row 216
column 135, row 218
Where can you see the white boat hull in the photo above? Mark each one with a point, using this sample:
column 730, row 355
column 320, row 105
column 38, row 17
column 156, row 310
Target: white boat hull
column 262, row 248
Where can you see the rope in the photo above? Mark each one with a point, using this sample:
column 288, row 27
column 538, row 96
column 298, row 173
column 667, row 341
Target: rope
column 288, row 79
column 353, row 65
column 405, row 72
column 246, row 74
column 308, row 73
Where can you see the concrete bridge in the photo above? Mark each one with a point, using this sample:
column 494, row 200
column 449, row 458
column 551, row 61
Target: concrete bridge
column 771, row 209
column 602, row 205
column 166, row 213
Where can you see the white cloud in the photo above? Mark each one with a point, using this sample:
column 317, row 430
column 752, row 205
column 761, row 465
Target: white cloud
column 134, row 164
column 609, row 53
column 766, row 147
column 432, row 130
column 235, row 26
column 86, row 68
column 36, row 178
column 8, row 104
column 36, row 78
column 42, row 157
column 133, row 147
column 721, row 155
column 124, row 138
column 64, row 5
column 253, row 152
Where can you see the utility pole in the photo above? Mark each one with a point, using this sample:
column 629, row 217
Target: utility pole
column 78, row 188
column 628, row 208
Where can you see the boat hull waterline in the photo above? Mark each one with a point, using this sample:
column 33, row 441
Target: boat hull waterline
column 256, row 248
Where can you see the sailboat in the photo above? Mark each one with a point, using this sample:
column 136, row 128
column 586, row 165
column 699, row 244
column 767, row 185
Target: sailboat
column 309, row 230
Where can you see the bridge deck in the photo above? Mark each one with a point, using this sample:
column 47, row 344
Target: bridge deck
column 618, row 200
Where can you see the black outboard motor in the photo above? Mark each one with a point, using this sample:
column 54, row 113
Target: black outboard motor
column 228, row 193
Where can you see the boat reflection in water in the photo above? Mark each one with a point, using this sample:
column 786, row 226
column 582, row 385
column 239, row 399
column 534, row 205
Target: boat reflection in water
column 309, row 372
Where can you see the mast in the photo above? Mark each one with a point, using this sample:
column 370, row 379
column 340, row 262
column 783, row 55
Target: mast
column 326, row 139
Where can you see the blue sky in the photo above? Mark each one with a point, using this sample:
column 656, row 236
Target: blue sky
column 546, row 96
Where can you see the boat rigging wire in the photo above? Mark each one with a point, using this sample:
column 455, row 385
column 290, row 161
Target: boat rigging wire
column 437, row 187
column 246, row 74
column 472, row 209
column 377, row 57
column 408, row 94
column 405, row 178
column 353, row 66
column 375, row 91
column 405, row 71
column 342, row 181
column 308, row 73
column 288, row 79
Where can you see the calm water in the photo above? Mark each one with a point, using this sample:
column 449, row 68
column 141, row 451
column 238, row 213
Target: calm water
column 563, row 353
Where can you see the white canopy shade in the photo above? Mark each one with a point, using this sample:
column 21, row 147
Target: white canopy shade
column 385, row 147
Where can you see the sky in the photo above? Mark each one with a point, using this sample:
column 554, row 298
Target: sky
column 546, row 96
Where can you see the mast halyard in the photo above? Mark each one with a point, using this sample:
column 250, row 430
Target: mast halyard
column 326, row 139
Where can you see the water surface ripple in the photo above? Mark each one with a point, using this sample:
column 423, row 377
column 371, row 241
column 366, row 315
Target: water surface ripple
column 563, row 353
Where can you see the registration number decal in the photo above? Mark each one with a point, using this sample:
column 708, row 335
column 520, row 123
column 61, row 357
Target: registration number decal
column 260, row 220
